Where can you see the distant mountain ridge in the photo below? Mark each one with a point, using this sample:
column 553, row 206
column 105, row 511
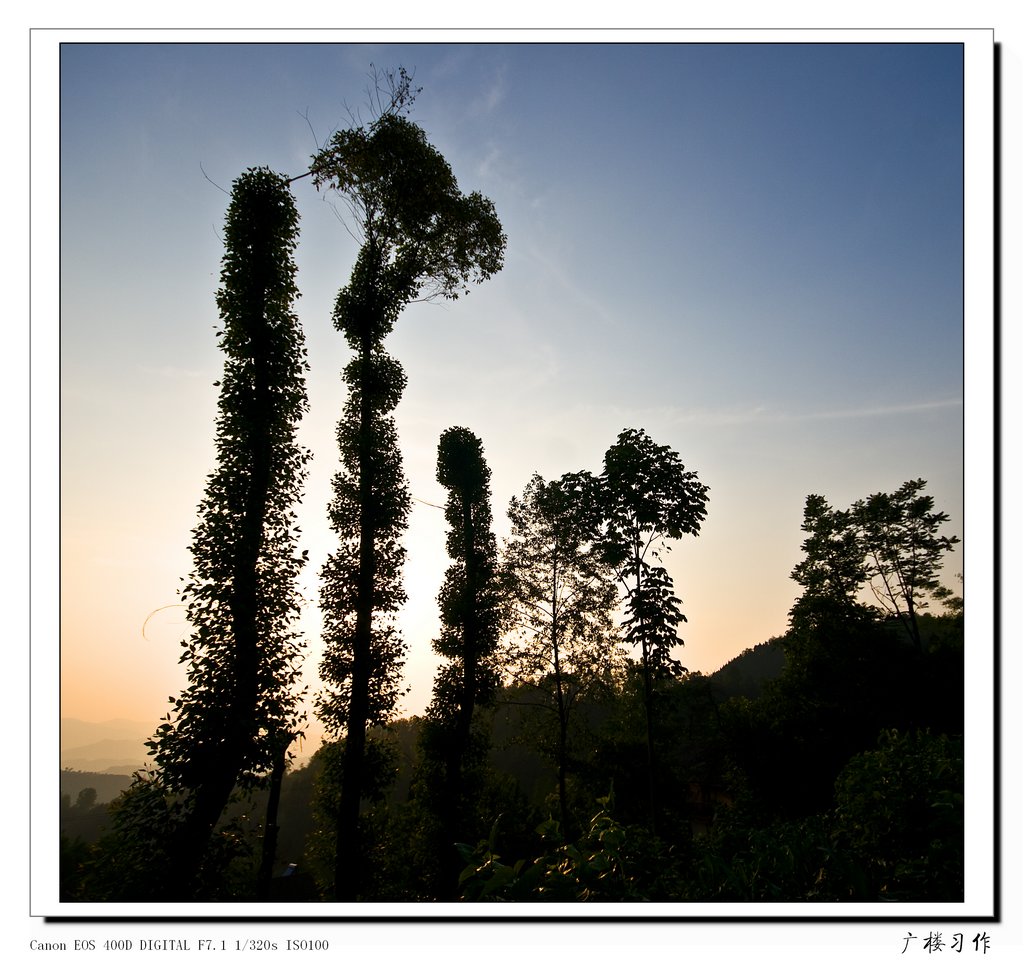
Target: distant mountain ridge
column 117, row 747
column 111, row 746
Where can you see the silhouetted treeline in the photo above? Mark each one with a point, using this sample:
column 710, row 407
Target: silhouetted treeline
column 838, row 779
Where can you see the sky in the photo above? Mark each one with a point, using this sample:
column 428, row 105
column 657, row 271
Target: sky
column 755, row 252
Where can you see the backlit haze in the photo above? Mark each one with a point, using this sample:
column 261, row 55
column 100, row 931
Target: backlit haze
column 754, row 252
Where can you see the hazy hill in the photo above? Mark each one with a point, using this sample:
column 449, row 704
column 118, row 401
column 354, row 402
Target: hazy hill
column 108, row 786
column 113, row 746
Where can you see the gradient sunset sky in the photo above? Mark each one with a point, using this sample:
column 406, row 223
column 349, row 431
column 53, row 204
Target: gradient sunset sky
column 753, row 251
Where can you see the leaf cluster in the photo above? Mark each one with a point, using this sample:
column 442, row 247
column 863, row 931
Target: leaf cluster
column 607, row 863
column 649, row 496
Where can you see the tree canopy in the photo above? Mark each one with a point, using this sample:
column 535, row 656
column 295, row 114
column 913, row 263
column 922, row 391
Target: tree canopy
column 889, row 542
column 420, row 235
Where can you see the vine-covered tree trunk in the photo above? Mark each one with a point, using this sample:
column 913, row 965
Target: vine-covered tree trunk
column 469, row 637
column 347, row 864
column 270, row 825
column 421, row 237
column 362, row 582
column 243, row 656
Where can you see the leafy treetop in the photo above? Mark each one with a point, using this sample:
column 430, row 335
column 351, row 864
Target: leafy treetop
column 422, row 237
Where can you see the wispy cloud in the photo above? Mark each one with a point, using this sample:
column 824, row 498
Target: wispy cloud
column 574, row 291
column 492, row 95
column 761, row 414
column 895, row 409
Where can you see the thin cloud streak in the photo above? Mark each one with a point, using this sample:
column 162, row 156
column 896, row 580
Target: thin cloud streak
column 765, row 415
column 491, row 96
column 564, row 280
column 893, row 410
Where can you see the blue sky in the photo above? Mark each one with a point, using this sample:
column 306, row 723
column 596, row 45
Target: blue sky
column 754, row 252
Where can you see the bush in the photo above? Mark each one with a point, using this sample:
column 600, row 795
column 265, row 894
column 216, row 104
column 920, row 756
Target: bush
column 610, row 862
column 899, row 812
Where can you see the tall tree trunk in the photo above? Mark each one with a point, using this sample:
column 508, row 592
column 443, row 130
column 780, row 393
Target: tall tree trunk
column 223, row 769
column 649, row 722
column 270, row 828
column 645, row 661
column 347, row 863
column 560, row 702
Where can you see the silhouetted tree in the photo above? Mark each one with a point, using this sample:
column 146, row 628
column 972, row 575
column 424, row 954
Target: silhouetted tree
column 469, row 599
column 85, row 800
column 833, row 568
column 649, row 497
column 420, row 238
column 453, row 745
column 850, row 671
column 244, row 655
column 561, row 596
column 889, row 541
column 900, row 541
